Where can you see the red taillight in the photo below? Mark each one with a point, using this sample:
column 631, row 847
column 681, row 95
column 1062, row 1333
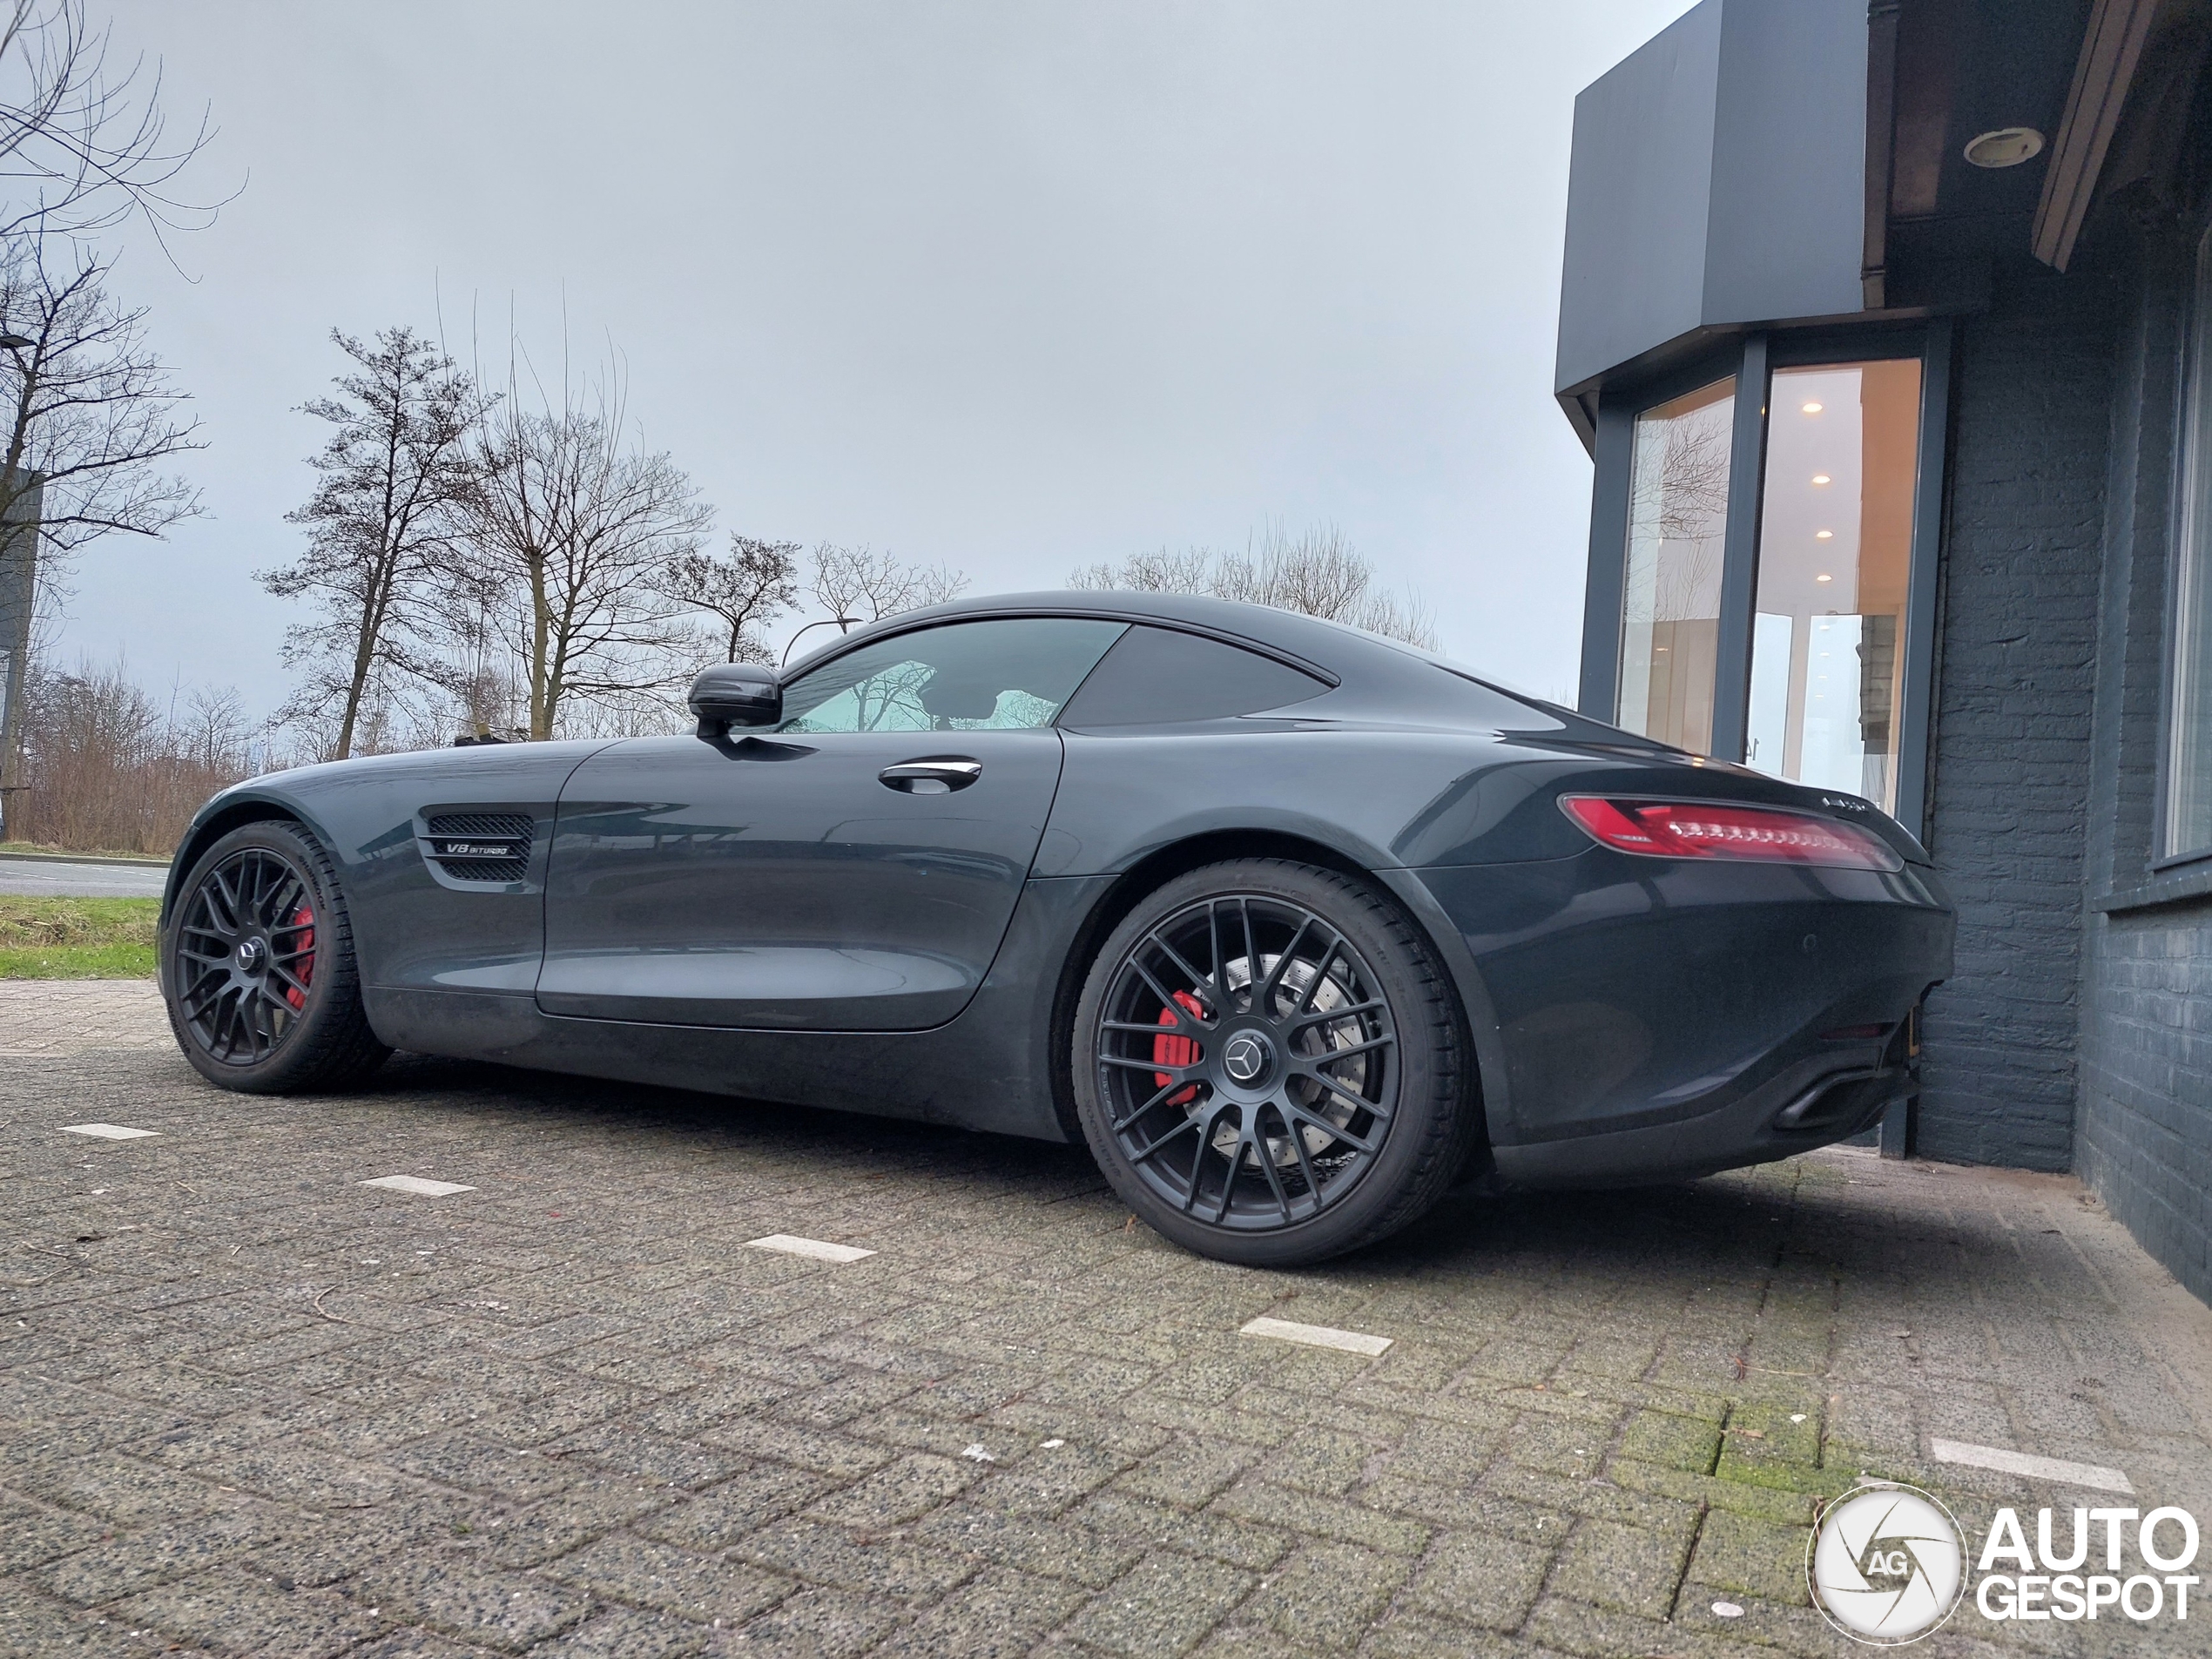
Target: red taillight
column 1704, row 829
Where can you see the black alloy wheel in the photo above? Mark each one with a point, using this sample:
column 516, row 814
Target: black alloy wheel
column 258, row 967
column 245, row 955
column 1269, row 1063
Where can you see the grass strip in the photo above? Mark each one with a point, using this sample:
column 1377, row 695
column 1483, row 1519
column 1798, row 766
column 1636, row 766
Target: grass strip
column 77, row 938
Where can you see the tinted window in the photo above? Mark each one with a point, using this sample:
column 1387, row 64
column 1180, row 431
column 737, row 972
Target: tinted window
column 963, row 677
column 1156, row 675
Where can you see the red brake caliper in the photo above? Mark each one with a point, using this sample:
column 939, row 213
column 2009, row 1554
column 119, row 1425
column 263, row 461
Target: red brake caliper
column 1176, row 1051
column 303, row 966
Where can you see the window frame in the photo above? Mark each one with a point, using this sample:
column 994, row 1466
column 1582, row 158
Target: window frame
column 2196, row 330
column 1752, row 359
column 822, row 662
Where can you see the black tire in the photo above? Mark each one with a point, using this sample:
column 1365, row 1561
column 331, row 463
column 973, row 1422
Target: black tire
column 258, row 969
column 1276, row 1168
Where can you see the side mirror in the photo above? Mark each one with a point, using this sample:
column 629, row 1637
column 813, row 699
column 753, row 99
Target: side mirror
column 736, row 694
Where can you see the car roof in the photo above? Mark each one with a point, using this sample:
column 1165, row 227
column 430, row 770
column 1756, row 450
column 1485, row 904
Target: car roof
column 1336, row 651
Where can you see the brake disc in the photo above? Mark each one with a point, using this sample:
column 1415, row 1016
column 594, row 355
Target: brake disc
column 1314, row 1042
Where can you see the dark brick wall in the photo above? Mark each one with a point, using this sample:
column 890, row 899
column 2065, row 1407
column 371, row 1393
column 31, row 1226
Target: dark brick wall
column 2016, row 690
column 2146, row 1142
column 2144, row 1134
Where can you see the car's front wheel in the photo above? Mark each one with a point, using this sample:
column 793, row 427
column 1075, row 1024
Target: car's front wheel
column 258, row 967
column 1270, row 1064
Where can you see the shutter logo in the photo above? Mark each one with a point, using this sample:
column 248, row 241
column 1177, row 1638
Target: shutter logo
column 1887, row 1565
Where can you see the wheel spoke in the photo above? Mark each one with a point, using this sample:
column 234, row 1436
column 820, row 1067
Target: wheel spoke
column 1267, row 1164
column 1156, row 988
column 188, row 1002
column 1320, row 972
column 1229, row 1176
column 1352, row 1050
column 1158, row 1095
column 1251, row 956
column 1357, row 1101
column 282, row 901
column 1304, row 1021
column 1179, row 1072
column 1335, row 1131
column 222, row 909
column 1145, row 1154
column 1265, row 1002
column 1208, row 1124
column 1174, row 955
column 1297, row 1132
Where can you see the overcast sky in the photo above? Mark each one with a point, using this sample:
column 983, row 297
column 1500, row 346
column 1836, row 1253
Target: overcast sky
column 1014, row 286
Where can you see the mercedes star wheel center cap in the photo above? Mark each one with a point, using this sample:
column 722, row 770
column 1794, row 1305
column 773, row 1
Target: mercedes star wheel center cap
column 1244, row 1057
column 250, row 954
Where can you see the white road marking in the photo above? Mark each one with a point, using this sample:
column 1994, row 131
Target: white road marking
column 417, row 1185
column 813, row 1247
column 1316, row 1336
column 2093, row 1475
column 110, row 1131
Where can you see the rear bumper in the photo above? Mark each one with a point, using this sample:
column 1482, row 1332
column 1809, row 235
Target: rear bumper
column 1646, row 1020
column 1758, row 1128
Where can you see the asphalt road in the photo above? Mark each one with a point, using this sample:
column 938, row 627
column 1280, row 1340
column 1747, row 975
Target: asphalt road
column 58, row 879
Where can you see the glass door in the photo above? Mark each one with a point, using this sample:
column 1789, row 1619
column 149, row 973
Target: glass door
column 1835, row 563
column 1671, row 608
column 1764, row 534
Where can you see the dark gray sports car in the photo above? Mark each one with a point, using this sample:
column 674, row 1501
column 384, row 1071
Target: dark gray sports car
column 1294, row 925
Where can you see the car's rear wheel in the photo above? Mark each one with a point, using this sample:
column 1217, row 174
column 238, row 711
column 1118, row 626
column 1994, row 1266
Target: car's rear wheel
column 1270, row 1065
column 258, row 968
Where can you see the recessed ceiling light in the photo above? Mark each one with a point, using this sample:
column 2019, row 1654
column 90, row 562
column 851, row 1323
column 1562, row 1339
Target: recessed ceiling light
column 1823, row 578
column 1824, row 535
column 1822, row 478
column 1812, row 409
column 2006, row 147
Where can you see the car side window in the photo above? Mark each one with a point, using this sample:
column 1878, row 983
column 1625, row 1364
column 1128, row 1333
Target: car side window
column 995, row 675
column 1160, row 675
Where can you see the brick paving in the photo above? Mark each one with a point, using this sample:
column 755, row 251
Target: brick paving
column 57, row 1016
column 250, row 1406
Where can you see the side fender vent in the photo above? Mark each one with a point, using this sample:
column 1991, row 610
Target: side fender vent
column 479, row 847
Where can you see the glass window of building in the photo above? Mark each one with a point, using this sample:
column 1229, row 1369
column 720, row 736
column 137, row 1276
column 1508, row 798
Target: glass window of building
column 2189, row 758
column 1835, row 559
column 1671, row 605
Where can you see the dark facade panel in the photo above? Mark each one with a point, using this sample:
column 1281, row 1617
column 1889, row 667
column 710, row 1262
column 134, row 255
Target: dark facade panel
column 1718, row 178
column 1637, row 196
column 1786, row 229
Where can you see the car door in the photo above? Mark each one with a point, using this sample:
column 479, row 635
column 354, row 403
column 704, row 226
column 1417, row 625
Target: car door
column 853, row 869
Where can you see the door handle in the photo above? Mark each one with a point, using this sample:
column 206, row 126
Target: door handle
column 932, row 775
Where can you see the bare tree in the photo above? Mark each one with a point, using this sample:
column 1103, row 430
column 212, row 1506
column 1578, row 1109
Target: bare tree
column 1318, row 573
column 859, row 583
column 393, row 475
column 89, row 415
column 106, row 770
column 84, row 147
column 745, row 590
column 567, row 525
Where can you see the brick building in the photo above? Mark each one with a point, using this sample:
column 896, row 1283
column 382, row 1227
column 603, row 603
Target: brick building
column 1889, row 331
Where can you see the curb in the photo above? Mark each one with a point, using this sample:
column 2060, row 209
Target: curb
column 85, row 858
